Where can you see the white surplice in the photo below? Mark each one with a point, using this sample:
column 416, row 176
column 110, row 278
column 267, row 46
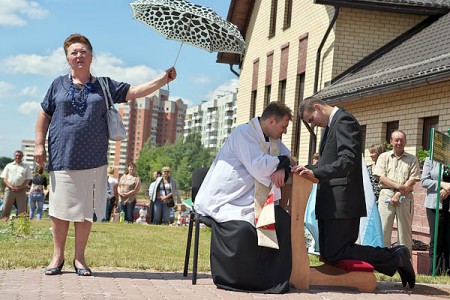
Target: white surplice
column 227, row 192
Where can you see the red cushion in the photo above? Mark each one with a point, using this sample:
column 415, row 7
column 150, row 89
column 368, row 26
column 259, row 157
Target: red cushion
column 350, row 265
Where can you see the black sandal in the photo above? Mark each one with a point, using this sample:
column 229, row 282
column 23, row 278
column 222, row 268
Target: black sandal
column 82, row 272
column 54, row 271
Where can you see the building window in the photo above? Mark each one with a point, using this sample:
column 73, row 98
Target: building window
column 267, row 92
column 282, row 91
column 255, row 74
column 269, row 68
column 284, row 61
column 428, row 123
column 287, row 14
column 273, row 18
column 363, row 137
column 296, row 126
column 253, row 105
column 302, row 53
column 390, row 128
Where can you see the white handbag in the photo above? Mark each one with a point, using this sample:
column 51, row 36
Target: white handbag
column 116, row 129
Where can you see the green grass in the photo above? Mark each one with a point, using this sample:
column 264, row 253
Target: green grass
column 121, row 245
column 111, row 245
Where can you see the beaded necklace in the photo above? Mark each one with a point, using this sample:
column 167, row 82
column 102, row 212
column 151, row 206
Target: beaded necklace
column 84, row 92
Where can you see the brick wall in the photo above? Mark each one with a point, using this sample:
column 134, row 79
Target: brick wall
column 308, row 18
column 420, row 224
column 356, row 34
column 361, row 32
column 409, row 107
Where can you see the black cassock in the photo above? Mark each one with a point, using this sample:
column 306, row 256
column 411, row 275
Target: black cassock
column 239, row 264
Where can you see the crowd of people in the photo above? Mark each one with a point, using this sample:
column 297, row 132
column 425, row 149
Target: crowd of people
column 251, row 167
column 26, row 193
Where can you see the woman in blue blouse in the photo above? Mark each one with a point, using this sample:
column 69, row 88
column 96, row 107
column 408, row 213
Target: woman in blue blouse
column 74, row 114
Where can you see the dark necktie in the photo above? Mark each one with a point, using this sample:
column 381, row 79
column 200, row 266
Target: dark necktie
column 324, row 137
column 325, row 133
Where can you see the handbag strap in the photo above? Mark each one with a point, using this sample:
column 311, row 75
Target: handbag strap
column 105, row 87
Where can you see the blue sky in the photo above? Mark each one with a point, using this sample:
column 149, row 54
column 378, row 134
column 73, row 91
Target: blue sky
column 31, row 56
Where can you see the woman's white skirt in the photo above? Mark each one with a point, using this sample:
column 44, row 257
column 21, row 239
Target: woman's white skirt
column 75, row 195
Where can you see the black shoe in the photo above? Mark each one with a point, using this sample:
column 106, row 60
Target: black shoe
column 406, row 269
column 82, row 272
column 396, row 249
column 54, row 271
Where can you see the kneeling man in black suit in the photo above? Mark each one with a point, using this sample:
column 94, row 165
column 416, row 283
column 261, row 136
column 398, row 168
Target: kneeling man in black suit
column 340, row 194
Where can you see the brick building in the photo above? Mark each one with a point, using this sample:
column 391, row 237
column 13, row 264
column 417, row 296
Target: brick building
column 387, row 62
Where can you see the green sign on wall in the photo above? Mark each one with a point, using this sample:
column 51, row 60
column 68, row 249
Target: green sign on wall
column 440, row 149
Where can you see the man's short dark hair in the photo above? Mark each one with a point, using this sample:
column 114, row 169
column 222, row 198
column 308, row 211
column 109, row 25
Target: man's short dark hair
column 278, row 110
column 308, row 105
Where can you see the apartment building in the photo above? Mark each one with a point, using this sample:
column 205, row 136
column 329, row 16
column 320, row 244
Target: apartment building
column 27, row 147
column 213, row 119
column 155, row 119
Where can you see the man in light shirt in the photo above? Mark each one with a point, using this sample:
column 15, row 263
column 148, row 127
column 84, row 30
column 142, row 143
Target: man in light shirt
column 16, row 176
column 398, row 172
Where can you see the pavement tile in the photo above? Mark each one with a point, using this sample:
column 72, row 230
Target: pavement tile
column 110, row 285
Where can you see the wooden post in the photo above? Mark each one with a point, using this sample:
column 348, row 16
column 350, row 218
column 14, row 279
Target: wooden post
column 301, row 189
column 303, row 275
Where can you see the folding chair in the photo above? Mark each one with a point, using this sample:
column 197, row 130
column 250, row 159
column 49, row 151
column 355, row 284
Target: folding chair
column 195, row 218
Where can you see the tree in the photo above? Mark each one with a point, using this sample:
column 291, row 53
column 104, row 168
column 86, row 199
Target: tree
column 183, row 158
column 4, row 161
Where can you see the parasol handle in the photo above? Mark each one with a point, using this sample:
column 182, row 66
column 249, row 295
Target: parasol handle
column 176, row 59
column 178, row 54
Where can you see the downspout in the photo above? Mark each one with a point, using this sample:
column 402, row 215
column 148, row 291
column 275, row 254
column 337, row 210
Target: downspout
column 322, row 43
column 233, row 71
column 313, row 136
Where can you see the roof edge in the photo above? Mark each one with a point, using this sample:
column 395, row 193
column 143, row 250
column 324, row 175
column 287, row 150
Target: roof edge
column 389, row 7
column 242, row 21
column 386, row 48
column 390, row 87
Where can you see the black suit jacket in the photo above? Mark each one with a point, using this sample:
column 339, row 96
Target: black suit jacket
column 340, row 193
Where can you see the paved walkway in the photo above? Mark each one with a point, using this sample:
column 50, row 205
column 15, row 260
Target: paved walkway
column 125, row 284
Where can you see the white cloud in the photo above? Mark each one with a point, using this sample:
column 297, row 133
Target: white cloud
column 202, row 79
column 223, row 89
column 49, row 65
column 55, row 64
column 5, row 88
column 30, row 91
column 17, row 12
column 106, row 64
column 188, row 102
column 29, row 108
